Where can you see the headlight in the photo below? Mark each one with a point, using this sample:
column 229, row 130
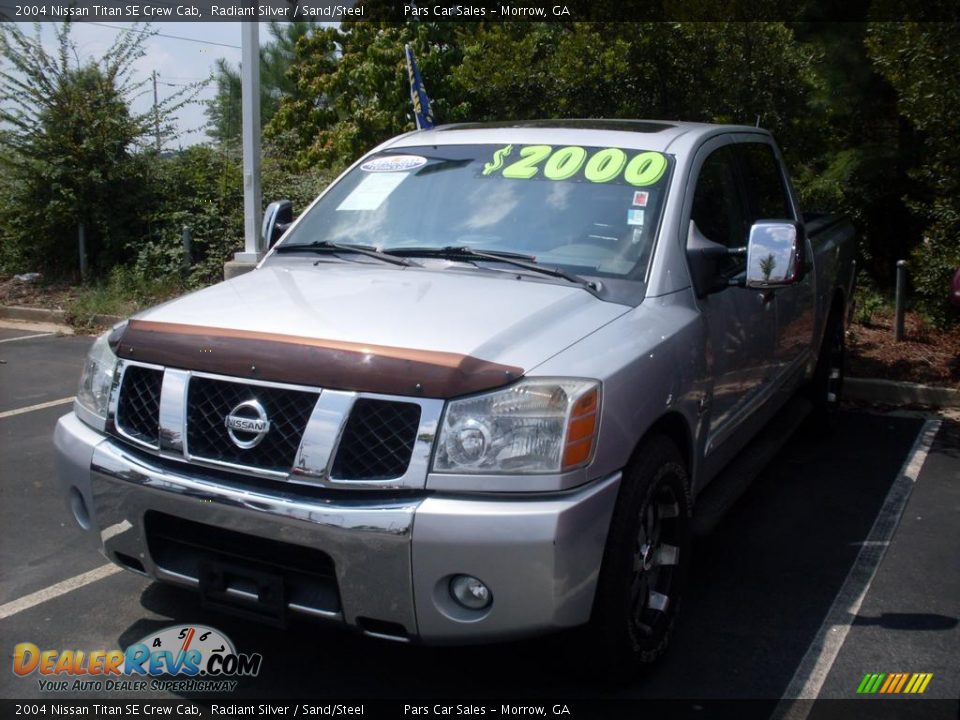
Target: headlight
column 534, row 426
column 93, row 395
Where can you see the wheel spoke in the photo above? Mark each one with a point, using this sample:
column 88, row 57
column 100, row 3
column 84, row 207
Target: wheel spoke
column 657, row 601
column 668, row 555
column 655, row 525
column 668, row 511
column 639, row 558
column 644, row 629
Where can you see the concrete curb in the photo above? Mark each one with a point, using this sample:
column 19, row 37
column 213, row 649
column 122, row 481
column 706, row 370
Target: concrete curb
column 32, row 314
column 900, row 393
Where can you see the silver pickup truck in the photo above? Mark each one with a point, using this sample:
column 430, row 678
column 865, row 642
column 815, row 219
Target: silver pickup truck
column 486, row 386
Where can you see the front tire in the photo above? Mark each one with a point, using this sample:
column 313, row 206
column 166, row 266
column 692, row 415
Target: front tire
column 645, row 562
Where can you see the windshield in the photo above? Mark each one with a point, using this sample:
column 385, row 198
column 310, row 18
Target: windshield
column 588, row 210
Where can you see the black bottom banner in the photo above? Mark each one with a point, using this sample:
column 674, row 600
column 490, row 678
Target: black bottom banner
column 586, row 709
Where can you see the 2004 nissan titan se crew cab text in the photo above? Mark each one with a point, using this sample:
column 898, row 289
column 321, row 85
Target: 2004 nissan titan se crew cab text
column 486, row 386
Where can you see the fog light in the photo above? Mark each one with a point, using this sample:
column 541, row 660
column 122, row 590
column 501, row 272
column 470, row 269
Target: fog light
column 470, row 592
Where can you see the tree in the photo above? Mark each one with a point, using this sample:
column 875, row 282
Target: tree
column 353, row 90
column 70, row 153
column 224, row 112
column 922, row 63
column 712, row 72
column 767, row 266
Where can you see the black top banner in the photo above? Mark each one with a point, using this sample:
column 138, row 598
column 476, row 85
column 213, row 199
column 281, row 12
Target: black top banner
column 494, row 11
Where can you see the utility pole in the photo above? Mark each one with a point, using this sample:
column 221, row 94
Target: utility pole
column 253, row 248
column 250, row 84
column 156, row 114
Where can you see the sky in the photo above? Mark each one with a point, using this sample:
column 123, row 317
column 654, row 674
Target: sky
column 186, row 52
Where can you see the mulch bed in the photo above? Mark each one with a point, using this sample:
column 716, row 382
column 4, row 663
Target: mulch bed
column 52, row 296
column 926, row 355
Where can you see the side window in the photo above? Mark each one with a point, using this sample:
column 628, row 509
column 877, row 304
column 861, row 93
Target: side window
column 717, row 209
column 763, row 181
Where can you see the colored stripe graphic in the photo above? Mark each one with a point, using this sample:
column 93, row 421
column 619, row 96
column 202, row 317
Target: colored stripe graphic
column 903, row 680
column 891, row 680
column 918, row 683
column 894, row 683
column 870, row 683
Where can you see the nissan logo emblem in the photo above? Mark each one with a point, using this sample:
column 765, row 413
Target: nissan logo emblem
column 247, row 424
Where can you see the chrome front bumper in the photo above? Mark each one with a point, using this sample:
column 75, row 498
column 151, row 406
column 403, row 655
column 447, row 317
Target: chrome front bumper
column 393, row 559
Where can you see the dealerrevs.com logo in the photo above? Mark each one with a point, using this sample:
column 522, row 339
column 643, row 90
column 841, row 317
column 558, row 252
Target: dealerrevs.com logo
column 197, row 657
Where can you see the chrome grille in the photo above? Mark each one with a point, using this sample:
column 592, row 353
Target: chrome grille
column 209, row 402
column 138, row 408
column 378, row 440
column 315, row 436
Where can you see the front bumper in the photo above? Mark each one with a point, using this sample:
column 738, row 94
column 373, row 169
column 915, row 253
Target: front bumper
column 392, row 558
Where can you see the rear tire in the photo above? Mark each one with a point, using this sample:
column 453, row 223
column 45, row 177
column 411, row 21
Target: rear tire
column 825, row 389
column 644, row 565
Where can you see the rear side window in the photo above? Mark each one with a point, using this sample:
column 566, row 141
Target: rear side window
column 716, row 206
column 763, row 183
column 717, row 209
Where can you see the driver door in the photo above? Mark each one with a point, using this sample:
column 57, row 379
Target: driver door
column 740, row 323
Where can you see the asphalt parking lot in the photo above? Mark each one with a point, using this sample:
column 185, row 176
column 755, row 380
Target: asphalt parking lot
column 842, row 559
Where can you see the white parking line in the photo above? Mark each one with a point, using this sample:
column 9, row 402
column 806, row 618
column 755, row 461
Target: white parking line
column 41, row 406
column 26, row 337
column 61, row 588
column 813, row 670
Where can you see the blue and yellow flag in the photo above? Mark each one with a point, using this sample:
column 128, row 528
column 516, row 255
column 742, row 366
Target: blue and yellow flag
column 418, row 94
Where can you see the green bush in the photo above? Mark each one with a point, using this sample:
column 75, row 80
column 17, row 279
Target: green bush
column 932, row 266
column 867, row 301
column 126, row 291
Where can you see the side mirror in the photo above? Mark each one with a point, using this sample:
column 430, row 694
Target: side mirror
column 705, row 257
column 774, row 254
column 276, row 219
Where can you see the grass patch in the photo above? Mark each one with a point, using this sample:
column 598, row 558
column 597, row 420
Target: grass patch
column 124, row 293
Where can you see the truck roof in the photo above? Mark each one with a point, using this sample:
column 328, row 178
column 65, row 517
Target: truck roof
column 657, row 135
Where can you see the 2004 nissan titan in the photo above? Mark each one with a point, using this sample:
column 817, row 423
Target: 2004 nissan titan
column 486, row 386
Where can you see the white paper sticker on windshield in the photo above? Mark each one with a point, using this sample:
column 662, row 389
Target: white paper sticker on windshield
column 635, row 217
column 393, row 163
column 370, row 193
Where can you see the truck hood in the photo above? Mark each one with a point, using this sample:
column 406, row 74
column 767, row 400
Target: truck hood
column 436, row 333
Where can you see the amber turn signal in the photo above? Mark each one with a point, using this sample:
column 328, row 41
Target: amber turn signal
column 581, row 430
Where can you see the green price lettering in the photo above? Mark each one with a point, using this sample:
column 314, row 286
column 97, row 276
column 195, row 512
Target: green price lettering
column 604, row 166
column 565, row 163
column 497, row 162
column 524, row 169
column 645, row 169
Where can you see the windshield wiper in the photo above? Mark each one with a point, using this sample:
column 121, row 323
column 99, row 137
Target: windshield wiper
column 333, row 247
column 527, row 262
